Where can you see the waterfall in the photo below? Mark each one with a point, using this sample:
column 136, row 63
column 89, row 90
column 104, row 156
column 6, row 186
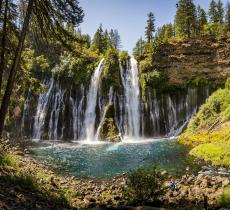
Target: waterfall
column 77, row 113
column 55, row 113
column 90, row 114
column 41, row 111
column 130, row 82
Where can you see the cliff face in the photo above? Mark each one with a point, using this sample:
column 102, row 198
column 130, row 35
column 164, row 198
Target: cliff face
column 197, row 59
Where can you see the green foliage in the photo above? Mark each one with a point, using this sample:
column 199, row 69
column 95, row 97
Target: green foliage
column 209, row 112
column 124, row 57
column 201, row 20
column 227, row 84
column 224, row 200
column 138, row 50
column 76, row 70
column 110, row 76
column 164, row 34
column 185, row 20
column 215, row 29
column 144, row 185
column 103, row 40
column 150, row 28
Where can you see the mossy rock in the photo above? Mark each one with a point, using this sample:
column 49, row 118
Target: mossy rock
column 109, row 131
column 111, row 74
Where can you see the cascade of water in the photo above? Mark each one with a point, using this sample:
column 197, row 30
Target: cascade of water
column 55, row 113
column 25, row 109
column 41, row 111
column 130, row 82
column 77, row 113
column 90, row 114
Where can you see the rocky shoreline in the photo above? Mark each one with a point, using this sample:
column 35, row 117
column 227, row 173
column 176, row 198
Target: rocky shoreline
column 192, row 191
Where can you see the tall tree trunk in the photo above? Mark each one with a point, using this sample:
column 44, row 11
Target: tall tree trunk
column 3, row 45
column 15, row 65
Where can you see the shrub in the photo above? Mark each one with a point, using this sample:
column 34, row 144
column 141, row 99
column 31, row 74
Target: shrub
column 144, row 185
column 224, row 199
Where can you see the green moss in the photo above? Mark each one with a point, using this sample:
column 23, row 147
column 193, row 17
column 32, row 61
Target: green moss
column 111, row 73
column 109, row 130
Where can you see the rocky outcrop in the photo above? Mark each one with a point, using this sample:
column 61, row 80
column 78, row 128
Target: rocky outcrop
column 202, row 58
column 109, row 131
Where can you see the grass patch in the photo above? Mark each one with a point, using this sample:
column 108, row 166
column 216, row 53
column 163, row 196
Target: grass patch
column 8, row 161
column 217, row 153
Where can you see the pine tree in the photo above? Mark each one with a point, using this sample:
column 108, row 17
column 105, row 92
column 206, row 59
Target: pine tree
column 201, row 19
column 138, row 50
column 150, row 28
column 227, row 18
column 213, row 13
column 220, row 12
column 99, row 41
column 185, row 20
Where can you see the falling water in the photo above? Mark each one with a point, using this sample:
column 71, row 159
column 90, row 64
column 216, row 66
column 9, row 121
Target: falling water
column 90, row 114
column 41, row 112
column 130, row 82
column 77, row 113
column 55, row 113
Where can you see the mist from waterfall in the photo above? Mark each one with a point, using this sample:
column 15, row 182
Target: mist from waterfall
column 90, row 113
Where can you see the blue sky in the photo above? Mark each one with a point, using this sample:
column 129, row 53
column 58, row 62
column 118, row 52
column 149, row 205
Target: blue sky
column 129, row 16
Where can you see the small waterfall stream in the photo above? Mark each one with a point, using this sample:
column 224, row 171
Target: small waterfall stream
column 90, row 114
column 41, row 111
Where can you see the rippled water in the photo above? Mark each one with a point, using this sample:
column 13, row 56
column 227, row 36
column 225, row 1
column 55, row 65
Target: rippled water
column 107, row 160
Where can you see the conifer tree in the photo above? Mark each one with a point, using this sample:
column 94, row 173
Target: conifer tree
column 201, row 19
column 99, row 41
column 220, row 12
column 213, row 13
column 185, row 20
column 138, row 50
column 150, row 28
column 227, row 17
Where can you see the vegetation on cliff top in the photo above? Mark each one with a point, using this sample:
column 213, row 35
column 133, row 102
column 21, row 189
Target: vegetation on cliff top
column 191, row 22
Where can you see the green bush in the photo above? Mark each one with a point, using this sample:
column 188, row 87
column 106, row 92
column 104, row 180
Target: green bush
column 144, row 185
column 124, row 57
column 224, row 200
column 227, row 84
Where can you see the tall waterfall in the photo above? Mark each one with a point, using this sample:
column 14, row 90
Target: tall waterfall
column 90, row 114
column 130, row 82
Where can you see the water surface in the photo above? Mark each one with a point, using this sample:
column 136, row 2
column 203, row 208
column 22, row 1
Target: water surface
column 105, row 160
